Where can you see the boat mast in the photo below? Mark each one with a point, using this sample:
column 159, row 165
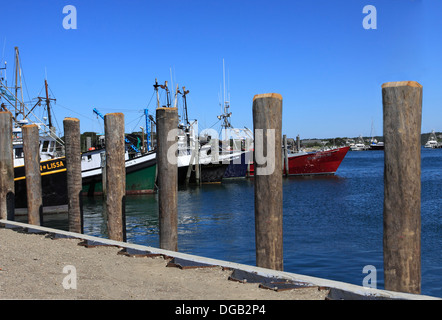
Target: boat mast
column 48, row 106
column 146, row 115
column 165, row 87
column 186, row 117
column 226, row 114
column 18, row 109
column 156, row 85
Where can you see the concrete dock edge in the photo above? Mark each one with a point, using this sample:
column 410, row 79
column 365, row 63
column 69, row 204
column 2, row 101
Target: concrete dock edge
column 338, row 290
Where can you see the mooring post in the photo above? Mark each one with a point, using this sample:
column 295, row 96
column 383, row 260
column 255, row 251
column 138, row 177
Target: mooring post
column 267, row 124
column 197, row 161
column 73, row 170
column 167, row 123
column 103, row 173
column 286, row 159
column 33, row 174
column 402, row 109
column 7, row 190
column 115, row 176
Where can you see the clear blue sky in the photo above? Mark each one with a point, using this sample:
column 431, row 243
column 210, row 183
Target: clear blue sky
column 316, row 54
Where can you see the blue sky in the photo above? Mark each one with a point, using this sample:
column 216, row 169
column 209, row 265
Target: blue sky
column 316, row 54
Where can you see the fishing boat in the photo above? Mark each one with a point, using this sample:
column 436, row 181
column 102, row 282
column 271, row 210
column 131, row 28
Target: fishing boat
column 375, row 145
column 198, row 161
column 140, row 168
column 238, row 143
column 359, row 145
column 315, row 163
column 53, row 165
column 140, row 172
column 432, row 141
column 53, row 173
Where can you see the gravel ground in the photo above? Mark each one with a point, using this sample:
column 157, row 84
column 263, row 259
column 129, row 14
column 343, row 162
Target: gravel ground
column 33, row 266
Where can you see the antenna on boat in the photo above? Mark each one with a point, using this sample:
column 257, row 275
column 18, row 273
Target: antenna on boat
column 156, row 85
column 184, row 94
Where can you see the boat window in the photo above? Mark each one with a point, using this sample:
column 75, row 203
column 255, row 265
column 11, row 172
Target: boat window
column 18, row 152
column 52, row 146
column 45, row 146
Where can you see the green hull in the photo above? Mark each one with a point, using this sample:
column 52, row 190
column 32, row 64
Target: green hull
column 140, row 179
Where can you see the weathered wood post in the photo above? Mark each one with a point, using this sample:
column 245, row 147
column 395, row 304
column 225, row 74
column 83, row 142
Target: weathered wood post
column 267, row 124
column 103, row 173
column 197, row 160
column 7, row 190
column 33, row 174
column 115, row 176
column 73, row 171
column 286, row 156
column 167, row 123
column 402, row 108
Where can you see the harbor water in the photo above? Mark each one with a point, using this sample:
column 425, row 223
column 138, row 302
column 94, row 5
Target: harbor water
column 332, row 224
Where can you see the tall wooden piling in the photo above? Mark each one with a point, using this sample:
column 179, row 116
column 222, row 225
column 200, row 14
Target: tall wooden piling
column 115, row 176
column 7, row 190
column 167, row 120
column 286, row 155
column 33, row 174
column 402, row 108
column 73, row 171
column 267, row 118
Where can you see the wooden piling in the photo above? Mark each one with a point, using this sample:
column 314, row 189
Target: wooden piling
column 115, row 176
column 402, row 111
column 286, row 156
column 7, row 190
column 267, row 116
column 103, row 173
column 167, row 120
column 73, row 171
column 33, row 174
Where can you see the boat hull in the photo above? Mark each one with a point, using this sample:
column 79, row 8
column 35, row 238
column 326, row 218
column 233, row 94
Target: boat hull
column 53, row 181
column 238, row 167
column 318, row 163
column 210, row 173
column 140, row 177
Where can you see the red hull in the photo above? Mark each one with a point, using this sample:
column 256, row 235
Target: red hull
column 321, row 162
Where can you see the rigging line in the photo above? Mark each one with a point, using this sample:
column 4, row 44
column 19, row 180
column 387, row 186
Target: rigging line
column 53, row 95
column 214, row 124
column 151, row 98
column 24, row 79
column 139, row 119
column 80, row 114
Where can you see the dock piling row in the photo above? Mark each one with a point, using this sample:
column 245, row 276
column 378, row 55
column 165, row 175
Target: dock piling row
column 402, row 115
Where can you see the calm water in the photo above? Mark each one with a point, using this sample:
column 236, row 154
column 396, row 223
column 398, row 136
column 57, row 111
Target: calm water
column 332, row 225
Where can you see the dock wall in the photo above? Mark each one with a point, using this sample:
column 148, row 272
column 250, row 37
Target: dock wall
column 338, row 290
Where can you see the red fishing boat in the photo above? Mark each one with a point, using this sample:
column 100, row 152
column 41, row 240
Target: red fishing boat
column 315, row 163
